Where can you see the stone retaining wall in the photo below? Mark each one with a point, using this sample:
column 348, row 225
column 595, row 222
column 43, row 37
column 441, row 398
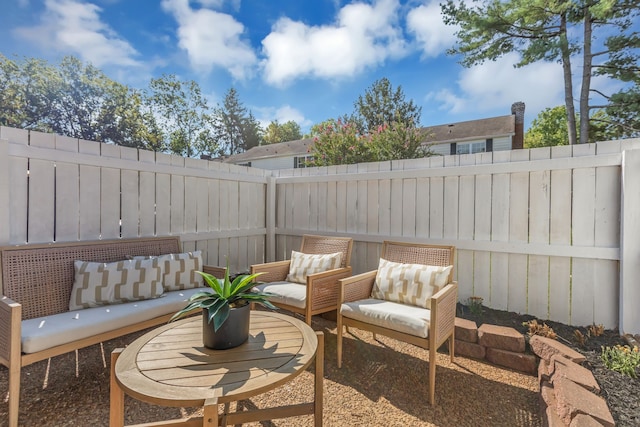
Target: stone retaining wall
column 568, row 391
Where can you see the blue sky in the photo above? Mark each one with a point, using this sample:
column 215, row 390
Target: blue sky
column 301, row 60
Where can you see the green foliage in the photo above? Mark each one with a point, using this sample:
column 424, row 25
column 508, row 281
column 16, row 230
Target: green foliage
column 225, row 294
column 541, row 30
column 623, row 359
column 338, row 142
column 234, row 128
column 381, row 105
column 548, row 129
column 276, row 132
column 475, row 305
column 72, row 99
column 183, row 110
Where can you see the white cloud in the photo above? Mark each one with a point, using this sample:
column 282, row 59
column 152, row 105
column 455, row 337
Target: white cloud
column 71, row 26
column 432, row 34
column 282, row 114
column 497, row 84
column 363, row 36
column 211, row 39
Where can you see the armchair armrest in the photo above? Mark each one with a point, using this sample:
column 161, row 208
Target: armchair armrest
column 10, row 324
column 356, row 287
column 322, row 288
column 273, row 271
column 443, row 314
column 217, row 272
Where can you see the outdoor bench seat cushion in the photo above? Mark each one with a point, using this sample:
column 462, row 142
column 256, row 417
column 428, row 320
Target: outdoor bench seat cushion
column 46, row 332
column 405, row 318
column 288, row 293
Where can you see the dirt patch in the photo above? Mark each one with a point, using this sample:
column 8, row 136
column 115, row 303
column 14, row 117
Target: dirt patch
column 620, row 391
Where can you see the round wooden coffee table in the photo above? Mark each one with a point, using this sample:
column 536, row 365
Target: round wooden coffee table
column 169, row 366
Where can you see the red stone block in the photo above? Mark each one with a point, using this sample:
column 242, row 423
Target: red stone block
column 564, row 368
column 545, row 347
column 468, row 349
column 501, row 337
column 521, row 362
column 573, row 399
column 466, row 330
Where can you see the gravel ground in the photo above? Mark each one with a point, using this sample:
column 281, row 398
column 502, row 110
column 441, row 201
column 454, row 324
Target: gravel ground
column 381, row 383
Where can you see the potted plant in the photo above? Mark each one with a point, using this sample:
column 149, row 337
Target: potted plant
column 226, row 310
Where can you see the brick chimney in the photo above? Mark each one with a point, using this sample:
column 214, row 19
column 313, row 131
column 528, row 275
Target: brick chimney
column 517, row 109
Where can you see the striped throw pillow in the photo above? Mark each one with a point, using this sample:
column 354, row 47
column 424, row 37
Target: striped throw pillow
column 412, row 284
column 96, row 284
column 303, row 265
column 180, row 270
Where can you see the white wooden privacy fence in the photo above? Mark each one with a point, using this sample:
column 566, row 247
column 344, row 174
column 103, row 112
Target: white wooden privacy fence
column 62, row 189
column 549, row 232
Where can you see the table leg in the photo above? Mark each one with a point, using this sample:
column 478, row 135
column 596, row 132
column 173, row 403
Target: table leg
column 319, row 378
column 210, row 415
column 116, row 395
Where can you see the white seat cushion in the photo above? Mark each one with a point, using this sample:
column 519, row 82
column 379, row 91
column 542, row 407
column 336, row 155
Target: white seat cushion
column 293, row 294
column 45, row 332
column 398, row 317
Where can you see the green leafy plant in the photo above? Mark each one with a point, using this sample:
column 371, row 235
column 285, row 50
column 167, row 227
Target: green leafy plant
column 475, row 305
column 226, row 294
column 622, row 358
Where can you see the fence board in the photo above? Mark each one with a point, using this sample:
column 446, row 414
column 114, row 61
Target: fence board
column 518, row 232
column 130, row 197
column 538, row 274
column 41, row 201
column 89, row 203
column 110, row 203
column 67, row 202
column 583, row 223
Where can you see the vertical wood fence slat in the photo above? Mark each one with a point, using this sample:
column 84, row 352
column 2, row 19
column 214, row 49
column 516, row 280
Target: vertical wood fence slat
column 583, row 229
column 5, row 184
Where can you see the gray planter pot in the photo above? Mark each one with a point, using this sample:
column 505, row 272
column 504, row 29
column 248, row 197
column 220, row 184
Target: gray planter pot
column 233, row 332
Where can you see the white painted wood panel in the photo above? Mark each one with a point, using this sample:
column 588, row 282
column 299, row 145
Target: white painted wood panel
column 109, row 203
column 41, row 201
column 89, row 203
column 130, row 197
column 583, row 229
column 518, row 232
column 538, row 280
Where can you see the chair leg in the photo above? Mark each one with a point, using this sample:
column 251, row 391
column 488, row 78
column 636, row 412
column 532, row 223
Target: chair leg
column 451, row 347
column 14, row 393
column 432, row 375
column 339, row 338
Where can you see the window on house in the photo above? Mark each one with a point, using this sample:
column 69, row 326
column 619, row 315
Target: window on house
column 301, row 161
column 471, row 148
column 245, row 164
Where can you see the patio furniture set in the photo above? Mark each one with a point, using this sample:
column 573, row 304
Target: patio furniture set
column 60, row 297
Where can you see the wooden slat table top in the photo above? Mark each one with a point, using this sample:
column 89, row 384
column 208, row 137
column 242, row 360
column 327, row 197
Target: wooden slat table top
column 170, row 366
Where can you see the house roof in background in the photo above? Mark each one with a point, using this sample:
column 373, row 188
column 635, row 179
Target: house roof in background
column 440, row 134
column 472, row 129
column 299, row 147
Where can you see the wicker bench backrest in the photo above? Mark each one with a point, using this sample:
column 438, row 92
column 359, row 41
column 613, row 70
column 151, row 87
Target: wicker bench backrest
column 40, row 277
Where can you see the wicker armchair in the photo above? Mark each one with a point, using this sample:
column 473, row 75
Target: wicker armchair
column 320, row 294
column 435, row 325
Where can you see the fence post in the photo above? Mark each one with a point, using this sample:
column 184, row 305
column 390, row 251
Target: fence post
column 271, row 219
column 630, row 243
column 5, row 226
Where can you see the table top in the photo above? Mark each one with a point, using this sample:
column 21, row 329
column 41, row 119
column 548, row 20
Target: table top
column 170, row 366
